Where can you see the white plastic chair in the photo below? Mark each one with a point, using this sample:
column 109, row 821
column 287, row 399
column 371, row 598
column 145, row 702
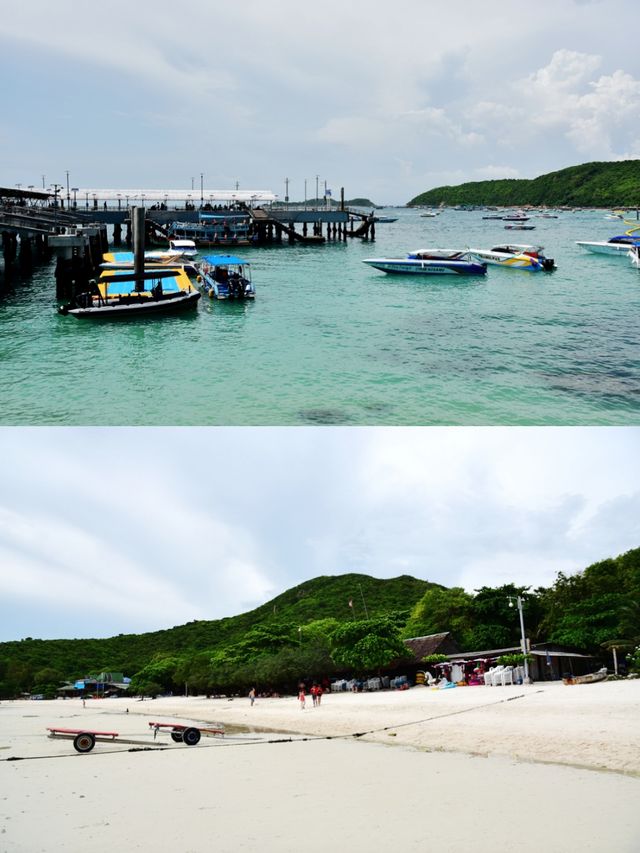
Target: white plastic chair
column 506, row 676
column 496, row 677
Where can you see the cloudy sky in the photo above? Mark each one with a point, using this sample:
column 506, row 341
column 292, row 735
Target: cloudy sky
column 104, row 531
column 385, row 99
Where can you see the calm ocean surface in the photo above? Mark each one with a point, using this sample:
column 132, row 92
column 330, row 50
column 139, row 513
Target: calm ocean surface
column 331, row 341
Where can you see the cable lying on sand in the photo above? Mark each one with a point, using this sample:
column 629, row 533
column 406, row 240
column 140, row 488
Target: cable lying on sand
column 292, row 739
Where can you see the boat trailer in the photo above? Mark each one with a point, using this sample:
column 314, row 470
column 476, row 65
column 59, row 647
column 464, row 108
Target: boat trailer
column 84, row 740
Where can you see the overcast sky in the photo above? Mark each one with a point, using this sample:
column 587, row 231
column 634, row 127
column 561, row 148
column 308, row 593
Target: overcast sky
column 385, row 99
column 104, row 531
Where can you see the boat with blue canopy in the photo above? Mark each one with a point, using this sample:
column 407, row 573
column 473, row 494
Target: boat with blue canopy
column 226, row 277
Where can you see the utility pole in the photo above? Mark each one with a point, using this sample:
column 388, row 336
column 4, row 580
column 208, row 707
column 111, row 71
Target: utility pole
column 523, row 640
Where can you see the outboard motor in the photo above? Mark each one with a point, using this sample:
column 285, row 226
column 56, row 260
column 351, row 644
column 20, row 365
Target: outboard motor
column 548, row 264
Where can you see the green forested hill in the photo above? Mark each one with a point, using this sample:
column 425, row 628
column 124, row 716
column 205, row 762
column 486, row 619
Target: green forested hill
column 312, row 629
column 321, row 598
column 589, row 185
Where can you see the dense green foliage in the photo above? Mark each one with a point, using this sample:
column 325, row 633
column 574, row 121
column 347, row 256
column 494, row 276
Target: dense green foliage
column 311, row 632
column 368, row 644
column 588, row 185
column 228, row 644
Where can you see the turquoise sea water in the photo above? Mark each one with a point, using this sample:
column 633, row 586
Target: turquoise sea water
column 331, row 341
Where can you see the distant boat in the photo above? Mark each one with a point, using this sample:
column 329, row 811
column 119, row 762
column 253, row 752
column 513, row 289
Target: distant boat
column 385, row 218
column 430, row 262
column 515, row 256
column 517, row 227
column 590, row 678
column 429, row 214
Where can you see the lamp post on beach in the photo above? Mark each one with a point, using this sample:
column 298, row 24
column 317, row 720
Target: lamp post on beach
column 523, row 641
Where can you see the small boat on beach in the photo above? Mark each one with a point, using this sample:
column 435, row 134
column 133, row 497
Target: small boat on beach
column 430, row 262
column 515, row 256
column 225, row 277
column 590, row 678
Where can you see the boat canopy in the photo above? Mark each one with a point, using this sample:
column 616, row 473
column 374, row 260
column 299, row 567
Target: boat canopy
column 223, row 260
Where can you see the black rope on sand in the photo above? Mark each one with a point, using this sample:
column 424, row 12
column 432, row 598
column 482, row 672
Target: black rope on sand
column 305, row 739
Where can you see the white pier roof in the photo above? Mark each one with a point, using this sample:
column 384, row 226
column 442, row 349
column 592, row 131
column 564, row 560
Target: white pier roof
column 247, row 196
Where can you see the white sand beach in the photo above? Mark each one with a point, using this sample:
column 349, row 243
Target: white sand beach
column 531, row 773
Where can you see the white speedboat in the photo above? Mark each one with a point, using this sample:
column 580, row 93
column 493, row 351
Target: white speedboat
column 515, row 256
column 184, row 248
column 430, row 262
column 619, row 245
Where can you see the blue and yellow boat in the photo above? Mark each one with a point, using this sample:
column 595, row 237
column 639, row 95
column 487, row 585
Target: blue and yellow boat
column 123, row 293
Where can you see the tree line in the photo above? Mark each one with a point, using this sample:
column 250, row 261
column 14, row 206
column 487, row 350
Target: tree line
column 351, row 624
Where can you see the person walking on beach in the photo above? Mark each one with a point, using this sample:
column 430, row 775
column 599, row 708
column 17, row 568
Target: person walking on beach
column 319, row 692
column 252, row 695
column 301, row 697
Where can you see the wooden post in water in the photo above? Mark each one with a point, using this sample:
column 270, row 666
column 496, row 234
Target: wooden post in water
column 137, row 221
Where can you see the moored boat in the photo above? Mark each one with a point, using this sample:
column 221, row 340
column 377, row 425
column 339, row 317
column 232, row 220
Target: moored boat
column 430, row 262
column 214, row 229
column 519, row 227
column 184, row 248
column 618, row 245
column 226, row 277
column 515, row 256
column 154, row 292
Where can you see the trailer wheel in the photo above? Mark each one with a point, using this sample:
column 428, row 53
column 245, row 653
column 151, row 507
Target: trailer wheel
column 176, row 735
column 190, row 737
column 84, row 742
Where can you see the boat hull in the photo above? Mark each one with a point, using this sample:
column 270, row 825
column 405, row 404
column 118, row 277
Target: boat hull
column 618, row 249
column 133, row 306
column 426, row 267
column 590, row 678
column 513, row 262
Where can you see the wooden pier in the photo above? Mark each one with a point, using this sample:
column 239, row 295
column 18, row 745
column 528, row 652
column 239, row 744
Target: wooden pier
column 34, row 225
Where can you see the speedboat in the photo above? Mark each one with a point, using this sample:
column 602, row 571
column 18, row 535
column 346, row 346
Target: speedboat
column 154, row 292
column 430, row 262
column 518, row 227
column 619, row 245
column 226, row 277
column 429, row 214
column 183, row 248
column 515, row 256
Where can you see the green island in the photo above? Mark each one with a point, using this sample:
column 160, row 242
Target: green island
column 607, row 185
column 332, row 625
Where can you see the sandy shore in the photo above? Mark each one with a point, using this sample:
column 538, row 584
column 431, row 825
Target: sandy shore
column 246, row 793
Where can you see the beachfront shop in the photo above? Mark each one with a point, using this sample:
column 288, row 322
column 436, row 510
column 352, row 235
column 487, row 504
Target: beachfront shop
column 547, row 662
